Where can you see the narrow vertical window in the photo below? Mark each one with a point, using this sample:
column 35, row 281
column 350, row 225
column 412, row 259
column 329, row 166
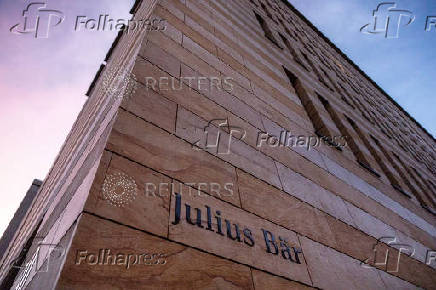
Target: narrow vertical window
column 289, row 32
column 267, row 31
column 254, row 2
column 293, row 52
column 390, row 169
column 401, row 173
column 266, row 11
column 361, row 158
column 318, row 120
column 418, row 192
column 316, row 71
column 334, row 116
column 430, row 193
column 344, row 92
column 326, row 75
column 308, row 105
column 433, row 186
column 375, row 155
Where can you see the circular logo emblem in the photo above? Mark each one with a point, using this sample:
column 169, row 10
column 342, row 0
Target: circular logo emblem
column 119, row 85
column 119, row 189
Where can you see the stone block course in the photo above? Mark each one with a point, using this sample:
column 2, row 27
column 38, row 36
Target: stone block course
column 184, row 268
column 240, row 251
column 176, row 168
column 152, row 147
column 147, row 211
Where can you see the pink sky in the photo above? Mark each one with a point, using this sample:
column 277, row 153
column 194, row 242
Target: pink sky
column 43, row 81
column 43, row 84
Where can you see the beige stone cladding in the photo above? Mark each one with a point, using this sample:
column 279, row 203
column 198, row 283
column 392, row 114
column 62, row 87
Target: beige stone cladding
column 189, row 184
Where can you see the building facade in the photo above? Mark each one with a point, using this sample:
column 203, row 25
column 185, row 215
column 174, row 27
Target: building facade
column 232, row 147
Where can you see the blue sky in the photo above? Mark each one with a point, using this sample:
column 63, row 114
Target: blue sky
column 43, row 81
column 404, row 67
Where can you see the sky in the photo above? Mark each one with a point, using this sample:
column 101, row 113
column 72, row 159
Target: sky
column 404, row 67
column 43, row 81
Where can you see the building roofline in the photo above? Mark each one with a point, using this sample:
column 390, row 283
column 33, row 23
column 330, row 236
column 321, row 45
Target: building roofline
column 293, row 9
column 354, row 65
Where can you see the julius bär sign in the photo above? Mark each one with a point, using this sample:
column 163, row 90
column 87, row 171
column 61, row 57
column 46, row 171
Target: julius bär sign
column 210, row 219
